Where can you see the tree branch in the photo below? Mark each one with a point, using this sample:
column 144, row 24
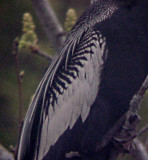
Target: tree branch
column 140, row 152
column 49, row 21
column 124, row 137
column 16, row 53
column 143, row 130
column 36, row 50
column 4, row 154
column 135, row 102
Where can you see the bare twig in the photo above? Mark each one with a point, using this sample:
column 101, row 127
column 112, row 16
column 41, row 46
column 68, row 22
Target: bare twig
column 36, row 50
column 49, row 21
column 143, row 130
column 15, row 53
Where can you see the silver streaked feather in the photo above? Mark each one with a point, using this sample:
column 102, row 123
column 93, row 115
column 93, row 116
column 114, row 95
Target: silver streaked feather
column 76, row 105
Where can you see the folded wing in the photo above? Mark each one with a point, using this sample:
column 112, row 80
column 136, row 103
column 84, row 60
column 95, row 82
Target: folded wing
column 66, row 93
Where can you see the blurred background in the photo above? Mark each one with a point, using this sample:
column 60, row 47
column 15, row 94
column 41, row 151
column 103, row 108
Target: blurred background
column 11, row 13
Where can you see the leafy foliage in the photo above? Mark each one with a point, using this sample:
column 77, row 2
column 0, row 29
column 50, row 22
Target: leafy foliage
column 71, row 18
column 29, row 36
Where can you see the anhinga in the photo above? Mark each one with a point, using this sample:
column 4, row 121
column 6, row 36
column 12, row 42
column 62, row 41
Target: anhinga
column 89, row 84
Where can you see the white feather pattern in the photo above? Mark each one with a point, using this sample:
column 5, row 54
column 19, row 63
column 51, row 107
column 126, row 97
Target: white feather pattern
column 75, row 102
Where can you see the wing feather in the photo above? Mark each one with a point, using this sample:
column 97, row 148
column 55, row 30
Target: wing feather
column 76, row 101
column 74, row 96
column 42, row 90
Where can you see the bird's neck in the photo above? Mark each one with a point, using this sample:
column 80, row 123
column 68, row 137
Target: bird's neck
column 97, row 12
column 101, row 10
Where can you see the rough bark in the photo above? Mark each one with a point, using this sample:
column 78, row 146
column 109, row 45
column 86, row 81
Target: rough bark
column 125, row 136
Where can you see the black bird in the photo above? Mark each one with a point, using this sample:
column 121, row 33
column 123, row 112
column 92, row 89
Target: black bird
column 89, row 84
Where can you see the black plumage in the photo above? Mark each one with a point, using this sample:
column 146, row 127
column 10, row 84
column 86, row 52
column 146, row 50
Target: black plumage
column 89, row 85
